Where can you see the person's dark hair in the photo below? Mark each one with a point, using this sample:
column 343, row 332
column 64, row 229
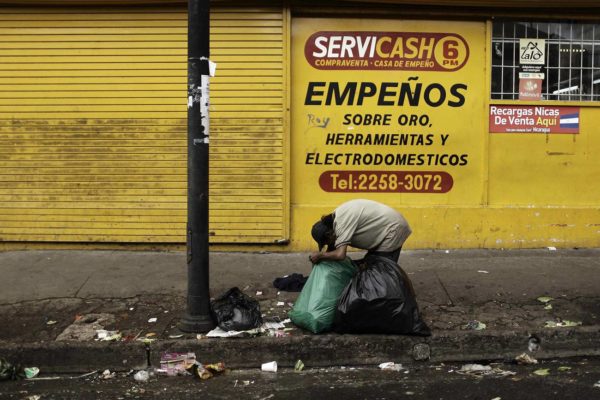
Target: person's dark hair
column 323, row 233
column 327, row 219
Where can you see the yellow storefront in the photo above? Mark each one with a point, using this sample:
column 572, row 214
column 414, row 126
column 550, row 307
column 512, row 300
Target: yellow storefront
column 93, row 127
column 481, row 131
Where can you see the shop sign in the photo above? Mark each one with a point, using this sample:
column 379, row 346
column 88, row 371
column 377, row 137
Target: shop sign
column 532, row 59
column 387, row 112
column 408, row 51
column 530, row 89
column 533, row 119
column 532, row 51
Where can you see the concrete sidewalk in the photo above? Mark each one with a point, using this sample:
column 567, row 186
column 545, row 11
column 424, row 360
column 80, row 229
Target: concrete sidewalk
column 497, row 288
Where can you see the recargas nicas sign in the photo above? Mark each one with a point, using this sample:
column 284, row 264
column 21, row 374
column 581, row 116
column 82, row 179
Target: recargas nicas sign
column 408, row 51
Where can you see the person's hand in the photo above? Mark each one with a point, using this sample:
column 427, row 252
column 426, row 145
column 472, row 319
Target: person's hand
column 314, row 257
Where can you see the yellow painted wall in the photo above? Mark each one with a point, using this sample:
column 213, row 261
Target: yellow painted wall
column 555, row 170
column 514, row 191
column 92, row 149
column 93, row 125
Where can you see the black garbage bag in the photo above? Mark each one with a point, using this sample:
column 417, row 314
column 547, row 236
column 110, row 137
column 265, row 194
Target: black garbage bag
column 9, row 371
column 379, row 299
column 291, row 283
column 235, row 311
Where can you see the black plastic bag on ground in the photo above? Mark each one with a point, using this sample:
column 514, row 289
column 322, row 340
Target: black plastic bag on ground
column 9, row 371
column 379, row 299
column 235, row 311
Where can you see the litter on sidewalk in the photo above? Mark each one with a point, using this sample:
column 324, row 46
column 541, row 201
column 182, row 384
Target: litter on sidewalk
column 272, row 329
column 275, row 325
column 533, row 344
column 31, row 372
column 542, row 372
column 561, row 323
column 86, row 327
column 525, row 359
column 202, row 372
column 290, row 283
column 56, row 378
column 181, row 364
column 278, row 333
column 545, row 299
column 142, row 376
column 10, row 371
column 173, row 364
column 236, row 311
column 269, row 366
column 108, row 336
column 209, row 370
column 478, row 370
column 244, row 383
column 220, row 333
column 471, row 368
column 106, row 374
column 475, row 325
column 390, row 366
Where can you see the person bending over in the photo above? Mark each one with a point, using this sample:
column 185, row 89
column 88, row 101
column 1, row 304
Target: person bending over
column 364, row 224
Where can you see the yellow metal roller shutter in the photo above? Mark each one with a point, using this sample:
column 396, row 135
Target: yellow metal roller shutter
column 93, row 126
column 248, row 196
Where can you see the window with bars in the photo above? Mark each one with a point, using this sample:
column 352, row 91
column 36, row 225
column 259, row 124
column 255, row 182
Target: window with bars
column 571, row 65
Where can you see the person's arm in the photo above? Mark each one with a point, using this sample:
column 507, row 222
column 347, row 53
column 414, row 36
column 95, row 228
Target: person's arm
column 338, row 254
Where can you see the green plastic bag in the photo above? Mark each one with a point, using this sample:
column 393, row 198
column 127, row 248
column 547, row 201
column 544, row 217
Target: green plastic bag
column 315, row 307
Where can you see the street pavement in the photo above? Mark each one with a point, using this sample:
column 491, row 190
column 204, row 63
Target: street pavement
column 43, row 293
column 572, row 379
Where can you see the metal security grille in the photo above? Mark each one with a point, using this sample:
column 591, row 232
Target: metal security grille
column 572, row 65
column 93, row 106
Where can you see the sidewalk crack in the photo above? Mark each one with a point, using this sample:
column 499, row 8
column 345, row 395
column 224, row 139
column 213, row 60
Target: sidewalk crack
column 82, row 285
column 444, row 287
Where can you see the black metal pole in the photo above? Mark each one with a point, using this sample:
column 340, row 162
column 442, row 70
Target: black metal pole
column 197, row 318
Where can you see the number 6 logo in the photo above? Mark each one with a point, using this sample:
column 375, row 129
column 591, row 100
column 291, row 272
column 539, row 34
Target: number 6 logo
column 451, row 52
